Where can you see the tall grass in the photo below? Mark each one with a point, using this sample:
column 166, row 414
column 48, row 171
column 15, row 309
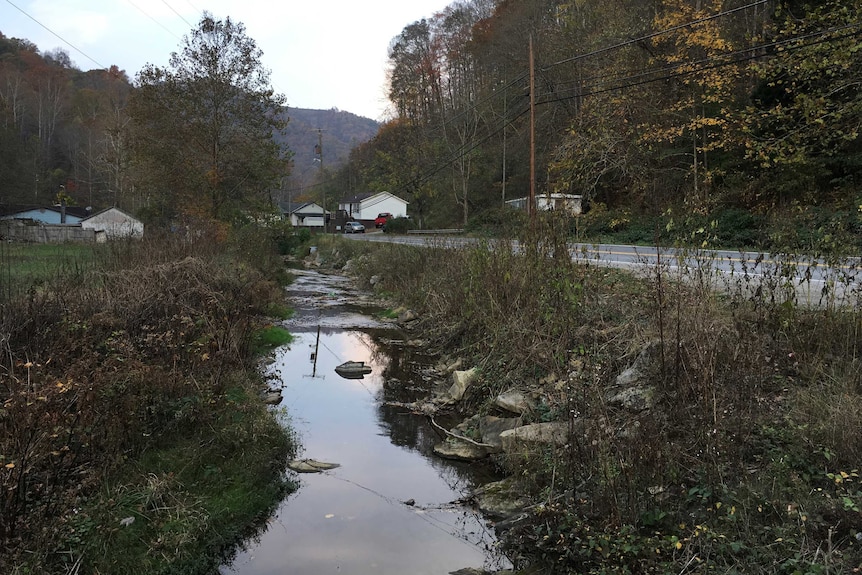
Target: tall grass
column 25, row 266
column 747, row 458
column 128, row 389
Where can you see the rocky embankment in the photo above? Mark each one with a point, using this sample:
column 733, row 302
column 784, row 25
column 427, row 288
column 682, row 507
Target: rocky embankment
column 512, row 426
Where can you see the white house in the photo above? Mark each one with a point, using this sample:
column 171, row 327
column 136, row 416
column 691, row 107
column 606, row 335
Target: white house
column 367, row 206
column 303, row 214
column 552, row 202
column 112, row 223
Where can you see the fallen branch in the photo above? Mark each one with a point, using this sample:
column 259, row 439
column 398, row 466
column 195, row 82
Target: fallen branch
column 461, row 437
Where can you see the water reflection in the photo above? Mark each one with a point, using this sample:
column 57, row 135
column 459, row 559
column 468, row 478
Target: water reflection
column 354, row 519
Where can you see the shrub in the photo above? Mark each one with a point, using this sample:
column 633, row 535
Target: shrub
column 116, row 362
column 398, row 225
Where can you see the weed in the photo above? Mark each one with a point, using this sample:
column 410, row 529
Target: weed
column 745, row 459
column 125, row 384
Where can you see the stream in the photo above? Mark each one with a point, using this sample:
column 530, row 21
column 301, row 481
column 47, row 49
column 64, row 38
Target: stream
column 392, row 507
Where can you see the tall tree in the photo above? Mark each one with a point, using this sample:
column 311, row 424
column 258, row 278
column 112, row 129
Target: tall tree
column 204, row 125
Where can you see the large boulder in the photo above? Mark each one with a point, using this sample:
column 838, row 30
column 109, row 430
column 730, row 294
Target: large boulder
column 272, row 397
column 491, row 428
column 502, row 499
column 407, row 316
column 634, row 399
column 311, row 466
column 643, row 368
column 461, row 381
column 515, row 402
column 460, row 450
column 526, row 439
column 632, row 389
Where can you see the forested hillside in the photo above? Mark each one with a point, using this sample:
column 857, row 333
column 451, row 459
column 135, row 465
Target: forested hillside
column 60, row 126
column 733, row 123
column 337, row 132
column 703, row 116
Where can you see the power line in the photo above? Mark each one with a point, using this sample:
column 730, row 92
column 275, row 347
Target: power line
column 654, row 34
column 473, row 106
column 178, row 14
column 87, row 56
column 162, row 26
column 736, row 57
column 751, row 53
column 465, row 150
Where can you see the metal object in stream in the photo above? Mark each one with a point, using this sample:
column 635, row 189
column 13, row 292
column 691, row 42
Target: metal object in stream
column 353, row 370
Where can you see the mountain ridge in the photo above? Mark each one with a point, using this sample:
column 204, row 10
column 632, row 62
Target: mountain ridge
column 337, row 131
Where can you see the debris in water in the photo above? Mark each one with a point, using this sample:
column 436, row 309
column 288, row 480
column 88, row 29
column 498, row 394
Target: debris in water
column 353, row 369
column 311, row 466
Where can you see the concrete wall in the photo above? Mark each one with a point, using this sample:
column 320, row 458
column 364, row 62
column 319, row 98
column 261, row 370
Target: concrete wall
column 22, row 231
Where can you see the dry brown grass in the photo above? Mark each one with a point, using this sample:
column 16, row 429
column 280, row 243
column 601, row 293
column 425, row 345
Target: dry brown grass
column 96, row 371
column 758, row 391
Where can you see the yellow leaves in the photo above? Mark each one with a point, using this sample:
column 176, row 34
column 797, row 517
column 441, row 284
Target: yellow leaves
column 10, row 466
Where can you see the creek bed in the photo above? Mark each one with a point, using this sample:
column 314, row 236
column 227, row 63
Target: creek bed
column 391, row 506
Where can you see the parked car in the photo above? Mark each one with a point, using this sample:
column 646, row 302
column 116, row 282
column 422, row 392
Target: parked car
column 354, row 228
column 381, row 218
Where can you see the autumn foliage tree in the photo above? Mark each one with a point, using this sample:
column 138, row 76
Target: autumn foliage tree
column 677, row 106
column 204, row 126
column 802, row 125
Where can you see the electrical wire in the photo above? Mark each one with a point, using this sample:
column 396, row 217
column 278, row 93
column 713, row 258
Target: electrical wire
column 718, row 61
column 162, row 26
column 751, row 53
column 87, row 56
column 475, row 105
column 654, row 34
column 190, row 25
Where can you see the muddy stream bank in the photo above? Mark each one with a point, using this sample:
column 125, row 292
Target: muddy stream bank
column 391, row 506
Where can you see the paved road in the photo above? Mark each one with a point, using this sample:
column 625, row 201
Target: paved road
column 809, row 277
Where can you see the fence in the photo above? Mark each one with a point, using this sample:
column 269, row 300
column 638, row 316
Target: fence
column 39, row 233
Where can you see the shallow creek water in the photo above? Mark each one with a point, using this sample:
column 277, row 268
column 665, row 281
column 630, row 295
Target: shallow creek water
column 354, row 519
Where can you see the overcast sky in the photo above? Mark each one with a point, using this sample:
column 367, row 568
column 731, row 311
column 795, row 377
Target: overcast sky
column 322, row 53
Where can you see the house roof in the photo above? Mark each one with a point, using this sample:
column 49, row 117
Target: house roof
column 355, row 199
column 293, row 207
column 358, row 198
column 12, row 209
column 131, row 217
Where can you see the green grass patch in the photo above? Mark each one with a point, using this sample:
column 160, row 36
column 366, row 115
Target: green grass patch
column 181, row 507
column 389, row 314
column 278, row 310
column 25, row 265
column 269, row 338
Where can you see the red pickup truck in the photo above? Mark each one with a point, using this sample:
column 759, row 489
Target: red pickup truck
column 380, row 220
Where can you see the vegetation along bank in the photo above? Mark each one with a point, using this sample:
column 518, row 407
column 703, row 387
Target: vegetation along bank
column 706, row 430
column 133, row 438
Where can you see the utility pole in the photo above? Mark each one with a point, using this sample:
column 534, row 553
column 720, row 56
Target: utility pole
column 531, row 208
column 505, row 121
column 320, row 158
